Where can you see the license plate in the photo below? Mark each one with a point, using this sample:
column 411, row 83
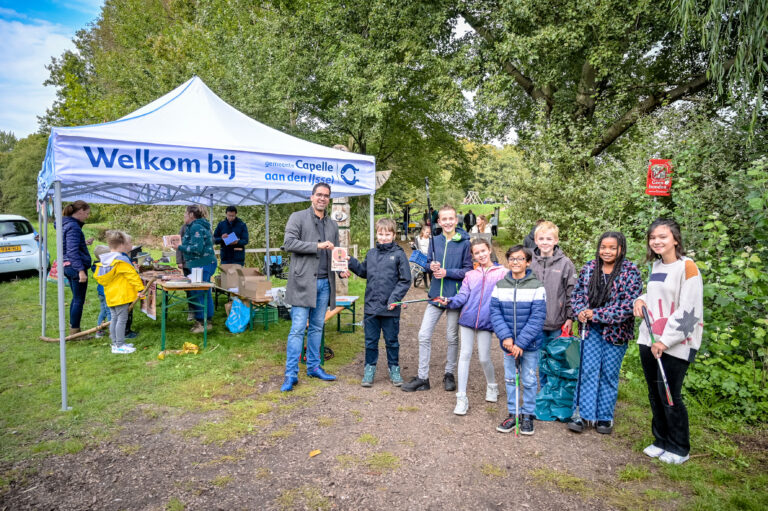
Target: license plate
column 10, row 248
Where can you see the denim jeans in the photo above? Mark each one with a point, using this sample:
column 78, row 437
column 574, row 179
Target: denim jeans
column 104, row 314
column 78, row 296
column 375, row 326
column 198, row 296
column 528, row 364
column 299, row 317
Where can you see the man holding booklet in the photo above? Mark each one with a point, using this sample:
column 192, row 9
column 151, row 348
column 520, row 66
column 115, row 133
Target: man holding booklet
column 232, row 235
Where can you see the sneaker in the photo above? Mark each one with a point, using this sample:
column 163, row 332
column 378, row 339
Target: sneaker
column 198, row 328
column 604, row 427
column 673, row 459
column 492, row 392
column 449, row 382
column 100, row 334
column 526, row 427
column 368, row 374
column 507, row 425
column 653, row 452
column 394, row 376
column 577, row 425
column 415, row 384
column 123, row 350
column 462, row 404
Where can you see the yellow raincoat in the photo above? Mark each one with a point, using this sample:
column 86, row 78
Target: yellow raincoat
column 120, row 279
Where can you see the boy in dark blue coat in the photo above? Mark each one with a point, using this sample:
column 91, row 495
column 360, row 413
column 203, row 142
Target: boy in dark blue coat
column 449, row 259
column 389, row 278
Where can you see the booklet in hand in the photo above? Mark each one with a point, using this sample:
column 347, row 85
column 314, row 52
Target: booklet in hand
column 231, row 238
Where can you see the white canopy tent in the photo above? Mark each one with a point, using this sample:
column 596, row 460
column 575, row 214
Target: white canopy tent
column 188, row 147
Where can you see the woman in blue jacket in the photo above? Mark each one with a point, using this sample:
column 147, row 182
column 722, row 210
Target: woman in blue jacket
column 77, row 259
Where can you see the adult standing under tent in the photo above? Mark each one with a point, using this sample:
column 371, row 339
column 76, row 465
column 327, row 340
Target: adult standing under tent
column 189, row 147
column 197, row 247
column 310, row 235
column 232, row 235
column 77, row 259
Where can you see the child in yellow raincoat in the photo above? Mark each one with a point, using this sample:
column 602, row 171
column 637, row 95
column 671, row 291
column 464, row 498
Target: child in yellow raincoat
column 122, row 285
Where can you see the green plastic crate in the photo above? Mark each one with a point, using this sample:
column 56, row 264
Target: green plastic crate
column 258, row 315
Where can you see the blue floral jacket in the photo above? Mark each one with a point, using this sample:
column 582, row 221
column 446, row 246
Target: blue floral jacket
column 616, row 315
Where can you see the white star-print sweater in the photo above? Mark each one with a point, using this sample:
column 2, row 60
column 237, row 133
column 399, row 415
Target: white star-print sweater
column 675, row 301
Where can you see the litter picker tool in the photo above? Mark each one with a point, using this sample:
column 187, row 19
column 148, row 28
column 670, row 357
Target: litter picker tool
column 432, row 230
column 647, row 318
column 413, row 301
column 517, row 397
column 583, row 333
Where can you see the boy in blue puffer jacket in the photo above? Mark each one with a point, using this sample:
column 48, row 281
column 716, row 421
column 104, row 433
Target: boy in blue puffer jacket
column 389, row 278
column 448, row 260
column 518, row 311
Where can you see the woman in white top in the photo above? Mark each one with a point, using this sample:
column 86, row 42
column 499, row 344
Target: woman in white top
column 482, row 226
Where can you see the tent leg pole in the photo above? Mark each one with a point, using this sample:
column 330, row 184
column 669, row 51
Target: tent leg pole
column 39, row 254
column 267, row 260
column 44, row 264
column 370, row 212
column 62, row 325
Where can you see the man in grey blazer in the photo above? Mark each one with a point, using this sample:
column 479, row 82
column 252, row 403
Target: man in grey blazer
column 310, row 236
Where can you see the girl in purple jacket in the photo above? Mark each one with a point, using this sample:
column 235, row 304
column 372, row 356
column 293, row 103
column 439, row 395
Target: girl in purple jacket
column 475, row 321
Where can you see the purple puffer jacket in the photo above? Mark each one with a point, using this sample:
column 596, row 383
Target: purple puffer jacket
column 475, row 297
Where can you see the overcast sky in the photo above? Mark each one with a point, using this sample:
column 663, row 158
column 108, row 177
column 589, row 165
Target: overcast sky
column 31, row 32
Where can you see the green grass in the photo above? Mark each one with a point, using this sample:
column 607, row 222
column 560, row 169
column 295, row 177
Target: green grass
column 367, row 438
column 104, row 389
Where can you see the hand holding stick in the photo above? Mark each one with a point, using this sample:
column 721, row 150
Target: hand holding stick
column 647, row 318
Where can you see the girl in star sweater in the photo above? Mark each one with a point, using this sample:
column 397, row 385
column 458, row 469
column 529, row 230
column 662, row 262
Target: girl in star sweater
column 675, row 303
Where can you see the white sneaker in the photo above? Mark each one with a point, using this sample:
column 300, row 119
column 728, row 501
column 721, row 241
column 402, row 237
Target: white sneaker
column 673, row 459
column 462, row 404
column 123, row 350
column 492, row 392
column 653, row 452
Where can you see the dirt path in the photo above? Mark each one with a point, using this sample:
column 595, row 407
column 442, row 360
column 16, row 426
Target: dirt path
column 381, row 448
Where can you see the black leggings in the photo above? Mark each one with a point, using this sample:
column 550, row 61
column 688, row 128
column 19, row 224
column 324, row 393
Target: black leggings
column 670, row 423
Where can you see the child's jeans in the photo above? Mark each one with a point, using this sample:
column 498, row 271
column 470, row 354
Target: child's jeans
column 375, row 326
column 104, row 313
column 117, row 325
column 529, row 362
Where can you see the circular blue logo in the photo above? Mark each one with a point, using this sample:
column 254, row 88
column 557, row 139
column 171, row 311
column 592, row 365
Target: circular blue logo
column 347, row 171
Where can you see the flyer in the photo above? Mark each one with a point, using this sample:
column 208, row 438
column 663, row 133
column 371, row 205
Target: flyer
column 339, row 259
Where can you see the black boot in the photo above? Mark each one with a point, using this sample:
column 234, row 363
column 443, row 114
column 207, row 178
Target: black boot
column 449, row 382
column 416, row 384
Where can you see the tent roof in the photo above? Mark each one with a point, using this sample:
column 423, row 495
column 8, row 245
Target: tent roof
column 190, row 146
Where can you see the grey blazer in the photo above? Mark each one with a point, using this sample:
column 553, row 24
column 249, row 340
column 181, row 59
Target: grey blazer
column 301, row 239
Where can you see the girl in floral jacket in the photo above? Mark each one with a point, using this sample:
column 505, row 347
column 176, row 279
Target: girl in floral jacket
column 602, row 299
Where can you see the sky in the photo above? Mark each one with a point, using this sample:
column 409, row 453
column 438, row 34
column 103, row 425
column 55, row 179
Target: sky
column 31, row 32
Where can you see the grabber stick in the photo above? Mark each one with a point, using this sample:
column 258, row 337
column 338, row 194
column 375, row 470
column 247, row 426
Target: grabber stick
column 517, row 396
column 647, row 318
column 583, row 333
column 432, row 228
column 412, row 301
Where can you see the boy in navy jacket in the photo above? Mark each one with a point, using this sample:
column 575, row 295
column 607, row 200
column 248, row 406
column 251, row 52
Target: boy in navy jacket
column 449, row 259
column 389, row 277
column 518, row 311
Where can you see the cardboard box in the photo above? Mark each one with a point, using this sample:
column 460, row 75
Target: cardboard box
column 229, row 277
column 252, row 284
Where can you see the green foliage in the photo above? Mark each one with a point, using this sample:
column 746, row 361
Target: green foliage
column 7, row 141
column 18, row 175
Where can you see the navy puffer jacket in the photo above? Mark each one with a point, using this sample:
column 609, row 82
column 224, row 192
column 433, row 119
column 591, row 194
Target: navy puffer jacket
column 76, row 254
column 389, row 278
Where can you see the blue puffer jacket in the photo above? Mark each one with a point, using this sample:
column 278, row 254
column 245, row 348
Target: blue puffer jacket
column 76, row 254
column 475, row 297
column 389, row 278
column 455, row 257
column 518, row 311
